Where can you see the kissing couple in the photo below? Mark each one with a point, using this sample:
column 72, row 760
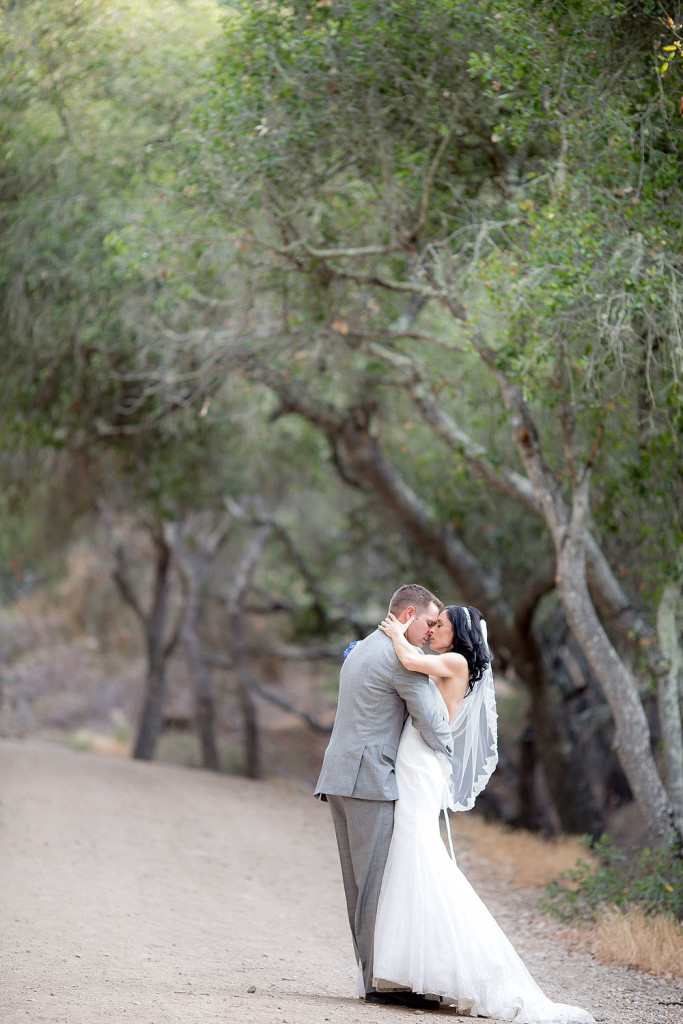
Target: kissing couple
column 415, row 734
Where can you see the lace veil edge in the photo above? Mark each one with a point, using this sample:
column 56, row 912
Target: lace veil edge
column 475, row 741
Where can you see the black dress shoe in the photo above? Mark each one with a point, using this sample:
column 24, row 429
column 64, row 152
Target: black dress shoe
column 416, row 1001
column 411, row 999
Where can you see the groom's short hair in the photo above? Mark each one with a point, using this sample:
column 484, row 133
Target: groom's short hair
column 412, row 594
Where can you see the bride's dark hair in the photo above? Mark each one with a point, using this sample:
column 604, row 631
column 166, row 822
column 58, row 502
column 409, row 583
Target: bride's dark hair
column 468, row 640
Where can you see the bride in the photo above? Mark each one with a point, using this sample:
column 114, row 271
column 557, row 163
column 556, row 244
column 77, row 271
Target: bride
column 433, row 934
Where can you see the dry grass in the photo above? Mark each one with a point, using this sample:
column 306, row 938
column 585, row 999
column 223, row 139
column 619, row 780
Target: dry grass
column 523, row 857
column 653, row 944
column 98, row 743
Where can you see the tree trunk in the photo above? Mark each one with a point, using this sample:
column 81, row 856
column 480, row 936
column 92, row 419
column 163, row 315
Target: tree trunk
column 153, row 624
column 253, row 751
column 632, row 735
column 196, row 570
column 149, row 727
column 204, row 703
column 151, row 718
column 253, row 764
column 668, row 699
column 555, row 746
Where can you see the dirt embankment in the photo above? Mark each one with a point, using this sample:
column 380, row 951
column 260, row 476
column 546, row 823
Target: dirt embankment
column 156, row 894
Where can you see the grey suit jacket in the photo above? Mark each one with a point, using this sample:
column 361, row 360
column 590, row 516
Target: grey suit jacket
column 374, row 692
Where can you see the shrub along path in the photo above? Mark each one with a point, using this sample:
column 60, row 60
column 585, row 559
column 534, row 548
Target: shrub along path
column 156, row 895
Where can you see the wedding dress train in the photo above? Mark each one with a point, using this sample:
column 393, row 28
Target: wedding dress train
column 433, row 934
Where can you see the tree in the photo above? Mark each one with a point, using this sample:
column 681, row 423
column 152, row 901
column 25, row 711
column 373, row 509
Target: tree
column 94, row 92
column 379, row 163
column 196, row 547
column 382, row 243
column 159, row 640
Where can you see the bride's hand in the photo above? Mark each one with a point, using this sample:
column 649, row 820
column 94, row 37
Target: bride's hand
column 392, row 627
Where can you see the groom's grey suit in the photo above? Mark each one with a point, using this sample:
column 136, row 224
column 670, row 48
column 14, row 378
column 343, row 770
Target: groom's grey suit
column 375, row 694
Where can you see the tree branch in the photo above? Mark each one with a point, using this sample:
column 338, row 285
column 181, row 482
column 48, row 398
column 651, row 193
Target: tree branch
column 268, row 695
column 429, row 181
column 365, row 458
column 445, row 427
column 120, row 572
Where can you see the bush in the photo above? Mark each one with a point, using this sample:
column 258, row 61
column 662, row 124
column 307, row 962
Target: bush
column 654, row 885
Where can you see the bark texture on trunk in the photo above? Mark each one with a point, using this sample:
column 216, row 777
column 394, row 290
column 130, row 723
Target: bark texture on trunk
column 253, row 752
column 555, row 746
column 253, row 745
column 204, row 702
column 632, row 733
column 151, row 717
column 669, row 699
column 196, row 569
column 154, row 624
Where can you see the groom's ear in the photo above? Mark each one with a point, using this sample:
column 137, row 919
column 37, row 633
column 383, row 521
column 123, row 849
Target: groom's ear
column 406, row 613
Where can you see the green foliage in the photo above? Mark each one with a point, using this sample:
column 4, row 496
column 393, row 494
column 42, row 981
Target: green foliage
column 654, row 884
column 503, row 150
column 156, row 176
column 95, row 91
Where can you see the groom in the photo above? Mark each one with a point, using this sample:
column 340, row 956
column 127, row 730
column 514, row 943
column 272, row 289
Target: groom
column 357, row 779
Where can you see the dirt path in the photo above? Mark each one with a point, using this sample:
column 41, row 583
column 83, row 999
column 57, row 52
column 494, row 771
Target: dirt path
column 151, row 894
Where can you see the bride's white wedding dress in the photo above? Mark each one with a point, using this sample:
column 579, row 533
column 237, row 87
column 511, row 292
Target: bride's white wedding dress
column 433, row 934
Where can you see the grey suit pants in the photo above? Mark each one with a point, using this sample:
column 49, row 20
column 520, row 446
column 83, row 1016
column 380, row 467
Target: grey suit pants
column 363, row 829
